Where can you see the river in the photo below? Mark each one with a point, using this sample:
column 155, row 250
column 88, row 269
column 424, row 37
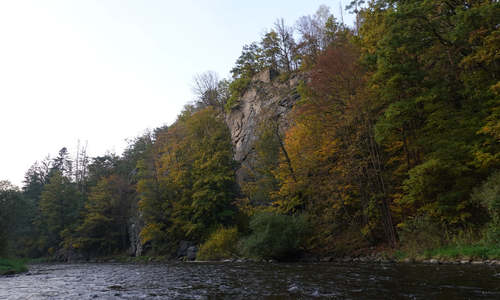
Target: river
column 253, row 281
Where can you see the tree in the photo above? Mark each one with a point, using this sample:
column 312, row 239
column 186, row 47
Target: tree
column 436, row 98
column 262, row 184
column 249, row 63
column 285, row 44
column 16, row 214
column 107, row 210
column 190, row 186
column 81, row 168
column 210, row 91
column 62, row 163
column 101, row 167
column 316, row 32
column 271, row 50
column 60, row 206
column 213, row 173
column 9, row 198
column 335, row 169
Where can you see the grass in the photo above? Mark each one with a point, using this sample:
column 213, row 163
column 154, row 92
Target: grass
column 465, row 251
column 12, row 266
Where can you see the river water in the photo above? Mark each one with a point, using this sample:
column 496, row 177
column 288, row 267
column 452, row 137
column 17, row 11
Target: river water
column 253, row 281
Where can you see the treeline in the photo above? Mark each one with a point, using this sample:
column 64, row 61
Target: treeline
column 398, row 130
column 395, row 142
column 175, row 183
column 68, row 202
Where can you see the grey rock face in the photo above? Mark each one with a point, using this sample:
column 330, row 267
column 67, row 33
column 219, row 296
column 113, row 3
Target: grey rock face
column 135, row 242
column 183, row 248
column 266, row 99
column 69, row 255
column 191, row 253
column 135, row 225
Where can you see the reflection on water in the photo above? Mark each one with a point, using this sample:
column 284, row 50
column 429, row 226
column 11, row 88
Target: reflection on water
column 253, row 281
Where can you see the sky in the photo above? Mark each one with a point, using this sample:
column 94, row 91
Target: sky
column 102, row 72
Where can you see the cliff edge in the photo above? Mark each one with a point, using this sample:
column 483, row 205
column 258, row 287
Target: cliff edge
column 266, row 99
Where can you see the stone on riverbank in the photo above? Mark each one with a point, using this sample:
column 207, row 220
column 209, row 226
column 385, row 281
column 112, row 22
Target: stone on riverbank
column 191, row 253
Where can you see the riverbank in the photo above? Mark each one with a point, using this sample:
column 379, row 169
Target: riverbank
column 12, row 266
column 455, row 254
column 464, row 260
column 451, row 254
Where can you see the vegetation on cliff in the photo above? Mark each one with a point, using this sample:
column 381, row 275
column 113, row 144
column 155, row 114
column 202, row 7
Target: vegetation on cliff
column 395, row 142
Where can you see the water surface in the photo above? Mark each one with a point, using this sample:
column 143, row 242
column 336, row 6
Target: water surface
column 253, row 281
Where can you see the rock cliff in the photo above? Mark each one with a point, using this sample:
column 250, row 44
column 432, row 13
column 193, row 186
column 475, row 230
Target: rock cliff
column 266, row 99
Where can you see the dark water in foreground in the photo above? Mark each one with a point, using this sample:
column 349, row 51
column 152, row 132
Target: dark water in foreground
column 253, row 281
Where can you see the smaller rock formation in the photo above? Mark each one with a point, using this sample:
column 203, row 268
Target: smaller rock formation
column 191, row 253
column 135, row 225
column 183, row 249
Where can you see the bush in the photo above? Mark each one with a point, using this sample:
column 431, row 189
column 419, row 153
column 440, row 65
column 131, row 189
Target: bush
column 236, row 89
column 275, row 236
column 220, row 245
column 488, row 195
column 12, row 266
column 469, row 251
column 420, row 233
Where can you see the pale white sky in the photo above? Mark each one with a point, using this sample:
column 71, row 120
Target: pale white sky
column 104, row 71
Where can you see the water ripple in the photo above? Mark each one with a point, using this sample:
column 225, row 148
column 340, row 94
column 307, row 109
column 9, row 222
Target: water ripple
column 252, row 281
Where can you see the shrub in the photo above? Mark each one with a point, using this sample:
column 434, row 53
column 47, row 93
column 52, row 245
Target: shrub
column 420, row 233
column 488, row 195
column 470, row 251
column 12, row 266
column 221, row 244
column 236, row 89
column 275, row 236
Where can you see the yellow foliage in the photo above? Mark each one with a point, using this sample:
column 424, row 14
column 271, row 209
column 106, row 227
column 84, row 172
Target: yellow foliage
column 150, row 232
column 220, row 245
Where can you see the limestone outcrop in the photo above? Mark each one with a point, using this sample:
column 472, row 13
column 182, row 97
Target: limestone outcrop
column 266, row 99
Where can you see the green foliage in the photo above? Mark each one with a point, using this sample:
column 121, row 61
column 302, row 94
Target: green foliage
column 263, row 182
column 9, row 197
column 420, row 233
column 60, row 206
column 275, row 236
column 475, row 251
column 488, row 195
column 104, row 228
column 249, row 63
column 423, row 238
column 220, row 245
column 236, row 90
column 431, row 75
column 12, row 266
column 101, row 166
column 188, row 183
column 399, row 123
column 276, row 51
column 447, row 201
column 16, row 213
column 3, row 242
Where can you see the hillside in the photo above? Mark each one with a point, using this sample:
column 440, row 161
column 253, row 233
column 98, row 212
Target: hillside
column 326, row 139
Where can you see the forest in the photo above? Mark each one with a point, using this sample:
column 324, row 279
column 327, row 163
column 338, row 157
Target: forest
column 393, row 145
